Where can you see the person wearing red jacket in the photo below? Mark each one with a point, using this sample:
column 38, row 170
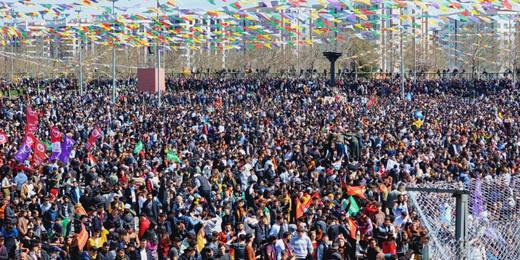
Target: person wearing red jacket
column 390, row 246
column 145, row 224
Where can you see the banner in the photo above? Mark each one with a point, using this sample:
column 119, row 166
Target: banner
column 96, row 133
column 55, row 140
column 66, row 149
column 32, row 122
column 23, row 152
column 39, row 153
column 3, row 138
column 82, row 237
column 30, row 139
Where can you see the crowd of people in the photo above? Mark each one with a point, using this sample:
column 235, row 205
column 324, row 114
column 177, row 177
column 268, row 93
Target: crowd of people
column 244, row 169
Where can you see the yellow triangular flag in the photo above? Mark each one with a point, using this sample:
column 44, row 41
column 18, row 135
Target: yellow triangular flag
column 418, row 123
column 367, row 2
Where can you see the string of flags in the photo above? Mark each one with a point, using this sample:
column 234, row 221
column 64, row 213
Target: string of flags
column 242, row 27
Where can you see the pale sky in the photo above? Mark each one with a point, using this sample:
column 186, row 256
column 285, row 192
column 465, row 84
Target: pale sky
column 183, row 4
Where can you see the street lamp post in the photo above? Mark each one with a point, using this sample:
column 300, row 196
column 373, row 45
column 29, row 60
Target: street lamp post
column 78, row 10
column 402, row 67
column 113, row 53
column 12, row 65
column 158, row 64
column 414, row 55
column 13, row 41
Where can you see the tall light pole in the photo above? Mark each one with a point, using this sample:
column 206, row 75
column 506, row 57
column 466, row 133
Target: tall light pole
column 158, row 62
column 414, row 54
column 78, row 10
column 12, row 60
column 12, row 64
column 113, row 53
column 402, row 66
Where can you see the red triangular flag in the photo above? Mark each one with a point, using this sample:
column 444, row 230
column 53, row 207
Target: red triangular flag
column 352, row 228
column 315, row 195
column 299, row 208
column 356, row 191
column 82, row 237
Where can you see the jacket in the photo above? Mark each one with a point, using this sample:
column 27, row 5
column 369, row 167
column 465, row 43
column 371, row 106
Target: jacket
column 64, row 210
column 86, row 256
column 73, row 196
column 127, row 196
column 384, row 232
column 332, row 254
column 97, row 224
column 9, row 214
column 153, row 212
column 261, row 232
column 4, row 255
column 49, row 216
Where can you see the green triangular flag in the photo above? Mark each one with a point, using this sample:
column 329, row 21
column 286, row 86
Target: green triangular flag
column 353, row 209
column 211, row 2
column 107, row 9
column 65, row 223
column 348, row 3
column 139, row 147
column 172, row 156
column 48, row 6
column 48, row 145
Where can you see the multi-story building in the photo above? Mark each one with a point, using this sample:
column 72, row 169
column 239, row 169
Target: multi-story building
column 500, row 29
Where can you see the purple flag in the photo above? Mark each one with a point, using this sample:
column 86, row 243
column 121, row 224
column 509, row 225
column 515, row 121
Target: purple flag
column 335, row 3
column 23, row 152
column 66, row 149
column 54, row 156
column 475, row 19
column 477, row 199
column 352, row 17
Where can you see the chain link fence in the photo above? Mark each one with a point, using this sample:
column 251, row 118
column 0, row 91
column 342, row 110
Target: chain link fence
column 493, row 220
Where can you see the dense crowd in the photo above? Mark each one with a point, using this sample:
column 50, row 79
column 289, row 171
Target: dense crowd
column 246, row 169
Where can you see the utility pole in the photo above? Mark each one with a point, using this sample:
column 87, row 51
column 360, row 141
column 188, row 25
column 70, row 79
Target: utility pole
column 414, row 53
column 13, row 41
column 12, row 65
column 402, row 66
column 113, row 52
column 158, row 62
column 516, row 52
column 402, row 58
column 79, row 10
